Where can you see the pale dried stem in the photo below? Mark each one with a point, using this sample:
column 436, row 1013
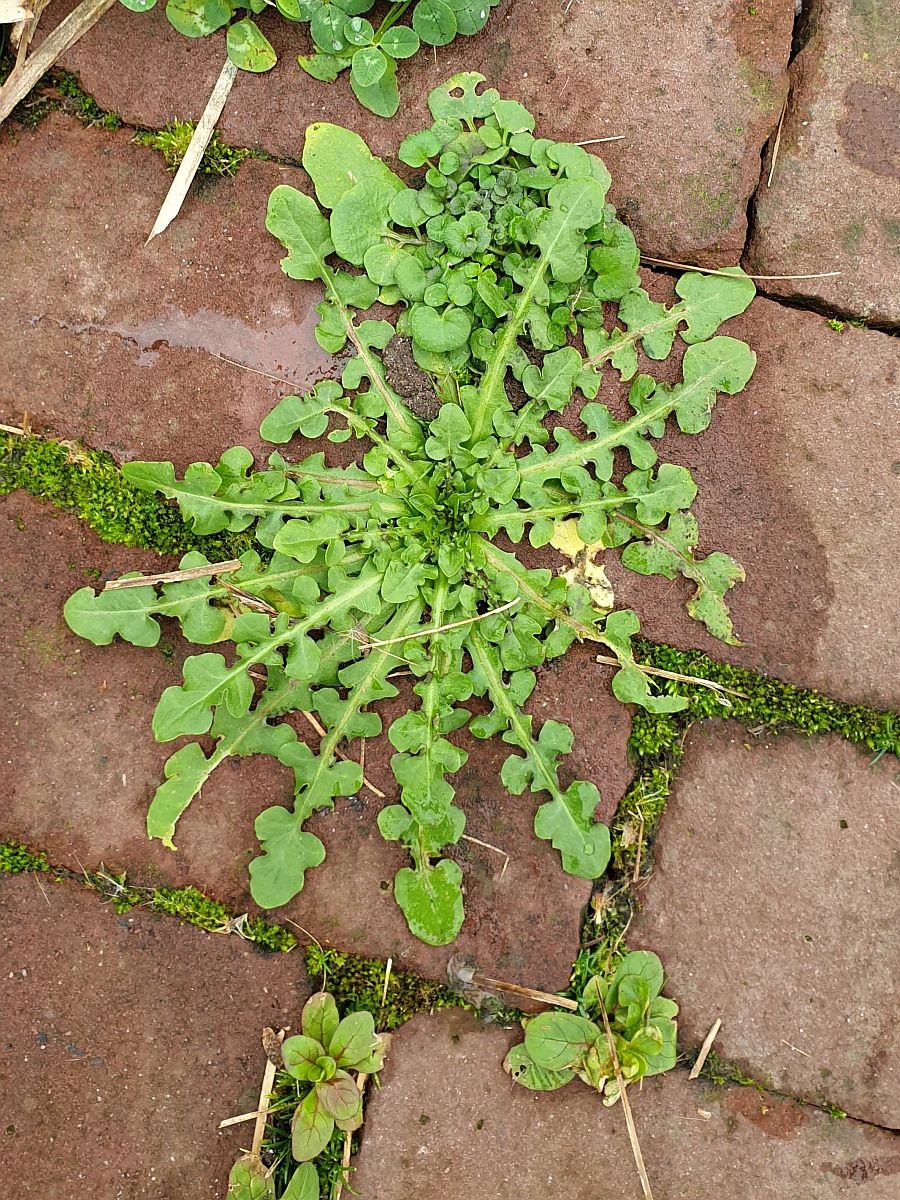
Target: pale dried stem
column 387, row 979
column 616, row 137
column 791, row 1046
column 255, row 370
column 263, row 1107
column 705, row 1048
column 665, row 262
column 22, row 33
column 420, row 633
column 321, row 732
column 516, row 989
column 43, row 891
column 188, row 168
column 219, row 568
column 14, row 12
column 626, row 1108
column 465, row 837
column 249, row 601
column 251, row 1116
column 777, row 142
column 348, row 1143
column 636, row 874
column 707, row 683
column 26, row 74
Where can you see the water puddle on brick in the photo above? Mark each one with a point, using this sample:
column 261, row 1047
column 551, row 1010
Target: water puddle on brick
column 288, row 351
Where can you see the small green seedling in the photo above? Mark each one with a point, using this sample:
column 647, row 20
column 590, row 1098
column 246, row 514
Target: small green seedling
column 559, row 1046
column 516, row 292
column 323, row 1055
column 343, row 38
column 320, row 1059
column 250, row 1179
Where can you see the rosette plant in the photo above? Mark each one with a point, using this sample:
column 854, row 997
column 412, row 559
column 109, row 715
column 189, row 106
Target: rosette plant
column 323, row 1055
column 517, row 293
column 559, row 1046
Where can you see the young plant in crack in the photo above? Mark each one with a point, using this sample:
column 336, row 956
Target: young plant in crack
column 343, row 38
column 517, row 288
column 636, row 1039
column 322, row 1095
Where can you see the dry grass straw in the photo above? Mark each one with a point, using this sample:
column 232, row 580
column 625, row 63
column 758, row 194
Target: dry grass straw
column 29, row 71
column 626, row 1108
column 219, row 568
column 705, row 1048
column 666, row 262
column 202, row 133
column 777, row 145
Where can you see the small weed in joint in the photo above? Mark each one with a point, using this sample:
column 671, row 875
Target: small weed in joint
column 172, row 142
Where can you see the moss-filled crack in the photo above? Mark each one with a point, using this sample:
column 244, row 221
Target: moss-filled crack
column 356, row 982
column 722, row 1073
column 57, row 91
column 219, row 158
column 656, row 747
column 60, row 91
column 89, row 484
column 768, row 705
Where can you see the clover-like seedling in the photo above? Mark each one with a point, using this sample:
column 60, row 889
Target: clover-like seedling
column 323, row 1055
column 517, row 293
column 342, row 36
column 559, row 1046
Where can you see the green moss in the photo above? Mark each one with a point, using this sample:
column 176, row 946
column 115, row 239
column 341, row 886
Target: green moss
column 656, row 742
column 192, row 906
column 760, row 85
column 876, row 24
column 80, row 104
column 712, row 212
column 836, row 325
column 640, row 810
column 31, row 110
column 355, row 982
column 114, row 888
column 358, row 983
column 89, row 484
column 57, row 90
column 172, row 142
column 722, row 1073
column 602, row 936
column 16, row 859
column 833, row 1111
column 768, row 702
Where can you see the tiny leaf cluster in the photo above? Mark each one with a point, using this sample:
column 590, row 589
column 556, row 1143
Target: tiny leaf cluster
column 320, row 1058
column 251, row 1179
column 516, row 290
column 343, row 37
column 323, row 1055
column 560, row 1045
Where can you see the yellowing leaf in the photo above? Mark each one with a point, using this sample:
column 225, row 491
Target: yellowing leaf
column 584, row 571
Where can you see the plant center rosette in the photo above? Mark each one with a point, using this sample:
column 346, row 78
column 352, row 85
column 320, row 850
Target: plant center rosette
column 515, row 288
